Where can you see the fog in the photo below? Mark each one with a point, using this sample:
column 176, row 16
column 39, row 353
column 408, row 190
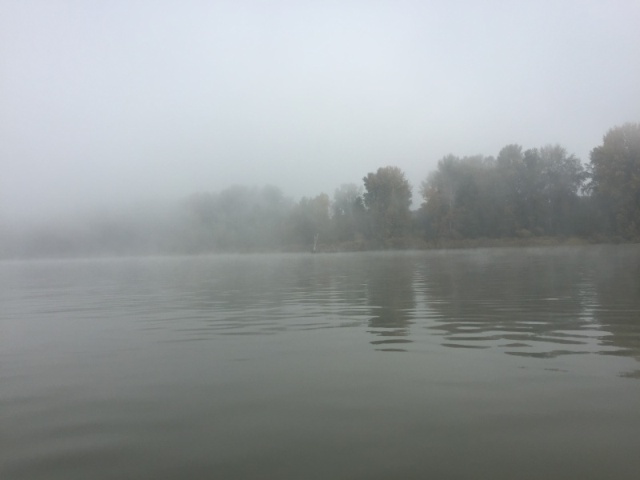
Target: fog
column 110, row 104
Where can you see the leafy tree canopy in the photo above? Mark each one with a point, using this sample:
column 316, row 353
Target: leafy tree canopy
column 615, row 183
column 388, row 199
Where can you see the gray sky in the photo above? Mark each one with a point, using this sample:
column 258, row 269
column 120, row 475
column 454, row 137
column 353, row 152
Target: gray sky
column 106, row 102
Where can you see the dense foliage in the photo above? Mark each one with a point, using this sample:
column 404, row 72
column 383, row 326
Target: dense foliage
column 388, row 198
column 536, row 192
column 518, row 194
column 615, row 180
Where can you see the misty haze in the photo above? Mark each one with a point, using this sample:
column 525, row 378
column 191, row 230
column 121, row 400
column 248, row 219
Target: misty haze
column 337, row 240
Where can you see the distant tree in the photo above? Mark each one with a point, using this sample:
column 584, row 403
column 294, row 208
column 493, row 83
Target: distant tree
column 540, row 189
column 270, row 213
column 439, row 192
column 310, row 221
column 563, row 177
column 348, row 212
column 518, row 193
column 237, row 218
column 458, row 198
column 510, row 189
column 615, row 181
column 388, row 199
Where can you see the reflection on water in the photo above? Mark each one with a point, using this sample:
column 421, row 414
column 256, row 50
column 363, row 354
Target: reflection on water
column 536, row 303
column 391, row 298
column 464, row 364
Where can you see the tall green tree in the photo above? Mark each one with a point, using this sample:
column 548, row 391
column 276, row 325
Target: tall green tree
column 388, row 200
column 615, row 181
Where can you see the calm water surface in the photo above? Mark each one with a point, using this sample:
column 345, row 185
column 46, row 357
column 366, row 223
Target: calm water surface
column 490, row 364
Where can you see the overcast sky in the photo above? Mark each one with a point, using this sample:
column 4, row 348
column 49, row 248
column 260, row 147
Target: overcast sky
column 107, row 102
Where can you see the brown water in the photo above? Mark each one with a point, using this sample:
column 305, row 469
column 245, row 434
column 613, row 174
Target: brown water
column 490, row 364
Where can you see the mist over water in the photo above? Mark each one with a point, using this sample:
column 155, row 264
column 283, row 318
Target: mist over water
column 137, row 139
column 502, row 363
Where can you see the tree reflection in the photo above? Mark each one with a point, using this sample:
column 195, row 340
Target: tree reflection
column 540, row 303
column 617, row 287
column 391, row 297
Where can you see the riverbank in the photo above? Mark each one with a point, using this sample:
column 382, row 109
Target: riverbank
column 470, row 243
column 397, row 244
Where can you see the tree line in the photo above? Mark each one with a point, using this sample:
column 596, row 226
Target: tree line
column 517, row 194
column 540, row 191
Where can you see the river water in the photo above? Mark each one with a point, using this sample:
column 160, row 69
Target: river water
column 484, row 364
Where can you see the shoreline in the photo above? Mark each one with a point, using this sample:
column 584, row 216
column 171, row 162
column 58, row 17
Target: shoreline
column 472, row 243
column 397, row 244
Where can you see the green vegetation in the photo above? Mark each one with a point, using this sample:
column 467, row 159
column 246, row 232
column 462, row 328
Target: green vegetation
column 536, row 192
column 615, row 181
column 388, row 199
column 539, row 196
